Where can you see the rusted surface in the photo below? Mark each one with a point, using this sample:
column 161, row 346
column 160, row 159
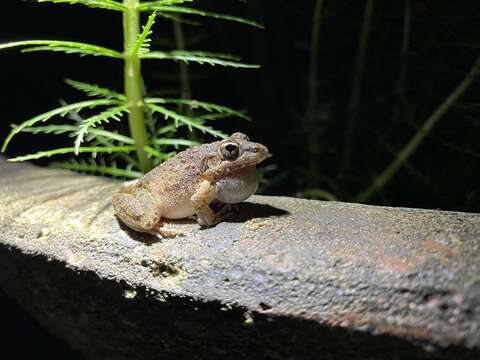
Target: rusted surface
column 411, row 275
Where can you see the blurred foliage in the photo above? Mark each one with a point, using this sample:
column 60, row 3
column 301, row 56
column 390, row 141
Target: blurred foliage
column 357, row 100
column 149, row 137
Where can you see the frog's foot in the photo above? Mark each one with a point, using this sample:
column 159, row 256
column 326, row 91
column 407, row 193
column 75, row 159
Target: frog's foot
column 222, row 211
column 159, row 230
column 219, row 207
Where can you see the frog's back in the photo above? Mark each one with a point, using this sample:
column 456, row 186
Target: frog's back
column 181, row 173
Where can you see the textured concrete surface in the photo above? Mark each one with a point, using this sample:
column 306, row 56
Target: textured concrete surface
column 283, row 279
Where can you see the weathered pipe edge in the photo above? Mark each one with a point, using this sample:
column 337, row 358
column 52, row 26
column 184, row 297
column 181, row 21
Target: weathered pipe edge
column 407, row 273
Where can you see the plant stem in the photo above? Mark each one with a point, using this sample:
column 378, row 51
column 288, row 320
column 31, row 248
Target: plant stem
column 417, row 139
column 402, row 77
column 312, row 127
column 133, row 83
column 357, row 84
column 186, row 92
column 401, row 102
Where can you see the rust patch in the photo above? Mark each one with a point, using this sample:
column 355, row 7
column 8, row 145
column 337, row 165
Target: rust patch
column 439, row 248
column 411, row 331
column 395, row 263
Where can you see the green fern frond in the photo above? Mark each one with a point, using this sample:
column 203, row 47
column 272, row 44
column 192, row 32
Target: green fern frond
column 51, row 129
column 175, row 142
column 163, row 3
column 69, row 47
column 157, row 154
column 151, row 6
column 166, row 129
column 215, row 116
column 142, row 44
column 193, row 104
column 113, row 113
column 72, row 129
column 95, row 140
column 179, row 19
column 61, row 111
column 71, row 150
column 188, row 121
column 199, row 120
column 200, row 57
column 92, row 167
column 210, row 54
column 112, row 136
column 103, row 4
column 94, row 90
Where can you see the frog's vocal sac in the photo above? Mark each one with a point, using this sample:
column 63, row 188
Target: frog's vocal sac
column 186, row 184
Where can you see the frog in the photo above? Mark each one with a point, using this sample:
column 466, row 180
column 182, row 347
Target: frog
column 185, row 186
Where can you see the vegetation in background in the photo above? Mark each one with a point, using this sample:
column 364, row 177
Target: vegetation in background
column 370, row 154
column 368, row 101
column 153, row 122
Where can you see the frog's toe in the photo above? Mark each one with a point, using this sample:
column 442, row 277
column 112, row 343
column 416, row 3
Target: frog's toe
column 168, row 233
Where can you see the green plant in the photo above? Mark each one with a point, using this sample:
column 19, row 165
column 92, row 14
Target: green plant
column 407, row 151
column 355, row 96
column 148, row 138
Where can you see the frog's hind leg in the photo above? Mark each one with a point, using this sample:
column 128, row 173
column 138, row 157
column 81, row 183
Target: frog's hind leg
column 138, row 209
column 128, row 186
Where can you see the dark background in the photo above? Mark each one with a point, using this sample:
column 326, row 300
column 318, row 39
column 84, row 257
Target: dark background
column 443, row 173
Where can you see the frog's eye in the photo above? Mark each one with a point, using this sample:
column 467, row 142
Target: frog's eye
column 229, row 150
column 240, row 136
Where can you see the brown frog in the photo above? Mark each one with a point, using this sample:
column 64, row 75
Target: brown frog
column 186, row 185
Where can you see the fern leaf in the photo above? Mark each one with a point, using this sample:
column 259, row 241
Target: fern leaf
column 103, row 4
column 69, row 47
column 214, row 116
column 175, row 142
column 163, row 3
column 222, row 56
column 166, row 129
column 179, row 19
column 200, row 104
column 142, row 44
column 95, row 90
column 64, row 129
column 152, row 6
column 188, row 121
column 200, row 57
column 113, row 113
column 157, row 154
column 61, row 111
column 92, row 167
column 71, row 150
column 51, row 129
column 112, row 136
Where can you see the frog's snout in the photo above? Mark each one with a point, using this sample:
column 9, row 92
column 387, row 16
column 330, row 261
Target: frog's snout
column 261, row 150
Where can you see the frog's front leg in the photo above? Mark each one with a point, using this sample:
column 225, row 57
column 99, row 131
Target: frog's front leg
column 203, row 196
column 201, row 200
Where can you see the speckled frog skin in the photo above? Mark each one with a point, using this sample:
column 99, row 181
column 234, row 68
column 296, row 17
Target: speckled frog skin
column 186, row 184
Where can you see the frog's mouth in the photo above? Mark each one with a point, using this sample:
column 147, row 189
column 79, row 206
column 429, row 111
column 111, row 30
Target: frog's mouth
column 252, row 163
